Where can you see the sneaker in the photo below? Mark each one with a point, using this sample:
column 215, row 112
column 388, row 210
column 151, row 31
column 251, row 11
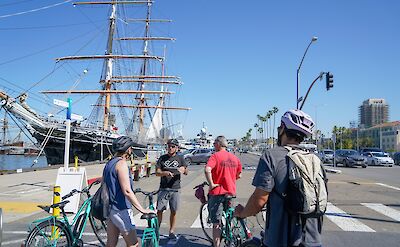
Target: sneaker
column 172, row 235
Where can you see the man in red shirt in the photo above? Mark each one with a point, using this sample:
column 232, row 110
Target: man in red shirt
column 222, row 171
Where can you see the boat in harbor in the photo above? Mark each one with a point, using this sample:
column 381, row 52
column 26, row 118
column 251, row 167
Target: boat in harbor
column 131, row 97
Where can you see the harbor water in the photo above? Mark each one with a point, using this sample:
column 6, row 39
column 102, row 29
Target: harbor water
column 13, row 162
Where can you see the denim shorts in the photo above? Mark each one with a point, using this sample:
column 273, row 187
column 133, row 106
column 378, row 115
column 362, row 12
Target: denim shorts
column 122, row 219
column 215, row 208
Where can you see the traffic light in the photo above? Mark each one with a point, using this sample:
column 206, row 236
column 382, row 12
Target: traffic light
column 329, row 80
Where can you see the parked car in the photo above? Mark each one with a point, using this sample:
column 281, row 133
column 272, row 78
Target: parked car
column 350, row 157
column 326, row 155
column 378, row 158
column 367, row 150
column 396, row 158
column 198, row 156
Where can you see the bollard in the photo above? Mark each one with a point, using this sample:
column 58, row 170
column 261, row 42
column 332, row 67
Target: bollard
column 56, row 211
column 76, row 162
column 148, row 172
column 56, row 199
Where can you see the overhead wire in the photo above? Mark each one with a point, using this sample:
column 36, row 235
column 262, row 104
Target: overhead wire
column 35, row 10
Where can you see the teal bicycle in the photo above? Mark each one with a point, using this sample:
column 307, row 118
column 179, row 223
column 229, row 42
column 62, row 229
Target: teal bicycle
column 151, row 234
column 234, row 230
column 58, row 231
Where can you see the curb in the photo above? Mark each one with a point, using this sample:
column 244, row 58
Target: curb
column 333, row 170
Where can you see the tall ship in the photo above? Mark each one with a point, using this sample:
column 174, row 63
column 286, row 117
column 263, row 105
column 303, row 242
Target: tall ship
column 133, row 95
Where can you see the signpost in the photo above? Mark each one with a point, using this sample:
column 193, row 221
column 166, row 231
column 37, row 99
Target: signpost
column 334, row 149
column 75, row 177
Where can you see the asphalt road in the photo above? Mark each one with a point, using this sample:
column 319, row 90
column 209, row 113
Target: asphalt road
column 364, row 208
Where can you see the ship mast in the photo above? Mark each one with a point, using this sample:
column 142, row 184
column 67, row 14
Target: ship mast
column 109, row 63
column 144, row 70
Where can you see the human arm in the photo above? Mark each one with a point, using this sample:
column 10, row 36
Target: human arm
column 184, row 167
column 124, row 181
column 254, row 205
column 239, row 170
column 161, row 173
column 207, row 172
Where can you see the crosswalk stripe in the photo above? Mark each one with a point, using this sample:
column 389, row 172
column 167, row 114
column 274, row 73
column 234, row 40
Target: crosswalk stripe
column 385, row 210
column 388, row 186
column 345, row 221
column 196, row 223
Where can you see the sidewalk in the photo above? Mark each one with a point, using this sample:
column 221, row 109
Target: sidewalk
column 20, row 193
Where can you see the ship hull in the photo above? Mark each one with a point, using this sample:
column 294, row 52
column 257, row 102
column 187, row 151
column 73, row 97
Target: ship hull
column 88, row 147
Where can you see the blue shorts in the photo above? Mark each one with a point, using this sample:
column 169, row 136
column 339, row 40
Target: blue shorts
column 122, row 219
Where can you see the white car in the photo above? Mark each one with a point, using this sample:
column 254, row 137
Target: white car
column 378, row 159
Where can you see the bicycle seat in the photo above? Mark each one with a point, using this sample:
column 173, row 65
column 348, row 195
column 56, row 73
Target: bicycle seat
column 56, row 205
column 148, row 216
column 229, row 197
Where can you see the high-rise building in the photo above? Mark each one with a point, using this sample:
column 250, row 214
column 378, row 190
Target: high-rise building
column 373, row 112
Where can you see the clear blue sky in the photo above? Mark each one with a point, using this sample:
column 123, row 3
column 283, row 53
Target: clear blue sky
column 236, row 58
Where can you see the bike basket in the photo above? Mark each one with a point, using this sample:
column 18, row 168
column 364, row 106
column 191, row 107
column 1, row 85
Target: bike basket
column 199, row 193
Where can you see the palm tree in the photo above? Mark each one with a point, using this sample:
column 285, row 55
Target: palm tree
column 256, row 127
column 275, row 111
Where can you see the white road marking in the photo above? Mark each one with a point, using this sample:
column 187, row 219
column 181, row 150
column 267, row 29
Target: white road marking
column 196, row 223
column 385, row 210
column 17, row 241
column 388, row 186
column 345, row 221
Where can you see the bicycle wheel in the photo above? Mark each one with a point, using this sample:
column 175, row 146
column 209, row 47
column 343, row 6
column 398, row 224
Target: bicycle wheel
column 255, row 242
column 205, row 225
column 148, row 243
column 100, row 229
column 49, row 233
column 261, row 216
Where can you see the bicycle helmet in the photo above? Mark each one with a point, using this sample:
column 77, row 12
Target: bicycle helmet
column 173, row 142
column 121, row 144
column 299, row 121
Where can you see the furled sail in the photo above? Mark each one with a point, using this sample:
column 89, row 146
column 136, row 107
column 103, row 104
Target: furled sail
column 153, row 132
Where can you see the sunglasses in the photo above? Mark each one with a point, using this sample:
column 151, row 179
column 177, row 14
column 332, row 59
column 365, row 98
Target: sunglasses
column 172, row 146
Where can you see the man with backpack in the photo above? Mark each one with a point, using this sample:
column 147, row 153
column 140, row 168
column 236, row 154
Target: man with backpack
column 292, row 184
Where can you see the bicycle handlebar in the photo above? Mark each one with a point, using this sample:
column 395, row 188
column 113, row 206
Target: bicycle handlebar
column 146, row 193
column 84, row 190
column 201, row 185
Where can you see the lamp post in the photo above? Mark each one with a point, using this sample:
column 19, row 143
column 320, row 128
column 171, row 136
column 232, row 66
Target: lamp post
column 298, row 70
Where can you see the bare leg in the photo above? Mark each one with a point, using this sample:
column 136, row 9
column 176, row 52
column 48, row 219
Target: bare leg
column 216, row 235
column 131, row 238
column 159, row 216
column 172, row 221
column 112, row 234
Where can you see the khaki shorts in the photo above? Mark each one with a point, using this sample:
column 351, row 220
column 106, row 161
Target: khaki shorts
column 166, row 197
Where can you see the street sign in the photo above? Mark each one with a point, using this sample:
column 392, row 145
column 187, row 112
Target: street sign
column 60, row 103
column 76, row 117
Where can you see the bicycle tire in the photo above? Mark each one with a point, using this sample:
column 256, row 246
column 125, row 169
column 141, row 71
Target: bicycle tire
column 205, row 226
column 261, row 216
column 148, row 243
column 100, row 229
column 44, row 231
column 254, row 242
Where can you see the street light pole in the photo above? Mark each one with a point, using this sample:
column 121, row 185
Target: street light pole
column 298, row 71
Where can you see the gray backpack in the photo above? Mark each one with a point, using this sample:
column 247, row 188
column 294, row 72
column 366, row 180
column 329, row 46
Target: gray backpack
column 307, row 193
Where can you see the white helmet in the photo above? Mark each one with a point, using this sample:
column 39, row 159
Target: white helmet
column 298, row 120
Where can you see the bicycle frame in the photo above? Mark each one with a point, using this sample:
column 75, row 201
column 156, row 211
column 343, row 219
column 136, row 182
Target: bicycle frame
column 151, row 233
column 76, row 236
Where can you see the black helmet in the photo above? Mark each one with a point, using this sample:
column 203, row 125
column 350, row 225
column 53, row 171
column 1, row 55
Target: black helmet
column 121, row 144
column 173, row 142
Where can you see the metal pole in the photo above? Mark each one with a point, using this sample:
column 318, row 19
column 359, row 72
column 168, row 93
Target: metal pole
column 1, row 226
column 67, row 134
column 298, row 71
column 334, row 152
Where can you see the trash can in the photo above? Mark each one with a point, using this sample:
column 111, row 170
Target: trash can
column 136, row 173
column 148, row 168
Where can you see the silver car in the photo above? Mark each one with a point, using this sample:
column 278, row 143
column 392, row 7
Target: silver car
column 198, row 156
column 378, row 159
column 326, row 156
